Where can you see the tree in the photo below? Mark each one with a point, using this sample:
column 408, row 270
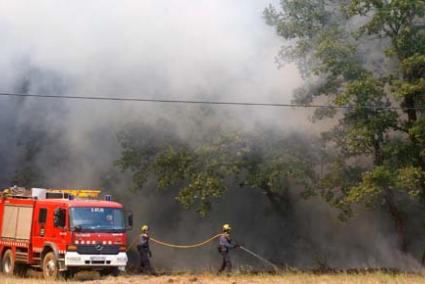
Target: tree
column 381, row 157
column 203, row 172
column 276, row 165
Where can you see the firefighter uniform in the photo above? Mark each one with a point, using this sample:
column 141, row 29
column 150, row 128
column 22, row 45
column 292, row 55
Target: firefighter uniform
column 225, row 245
column 145, row 251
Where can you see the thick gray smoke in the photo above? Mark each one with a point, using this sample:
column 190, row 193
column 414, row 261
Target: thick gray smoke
column 195, row 49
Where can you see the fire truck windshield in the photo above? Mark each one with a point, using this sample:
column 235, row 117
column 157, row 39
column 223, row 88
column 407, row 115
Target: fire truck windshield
column 97, row 219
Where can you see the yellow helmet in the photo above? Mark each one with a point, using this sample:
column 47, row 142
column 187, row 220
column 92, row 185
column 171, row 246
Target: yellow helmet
column 145, row 228
column 226, row 228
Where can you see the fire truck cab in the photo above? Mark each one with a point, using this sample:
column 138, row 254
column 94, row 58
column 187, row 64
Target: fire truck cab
column 61, row 232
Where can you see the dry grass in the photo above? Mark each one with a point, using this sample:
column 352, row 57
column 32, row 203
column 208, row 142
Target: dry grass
column 287, row 278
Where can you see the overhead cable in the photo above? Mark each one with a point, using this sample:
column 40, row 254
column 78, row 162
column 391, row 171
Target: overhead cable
column 208, row 102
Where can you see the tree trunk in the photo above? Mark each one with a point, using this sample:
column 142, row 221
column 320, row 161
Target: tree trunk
column 396, row 214
column 412, row 117
column 398, row 219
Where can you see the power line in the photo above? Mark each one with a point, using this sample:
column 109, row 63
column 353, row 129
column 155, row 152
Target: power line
column 204, row 102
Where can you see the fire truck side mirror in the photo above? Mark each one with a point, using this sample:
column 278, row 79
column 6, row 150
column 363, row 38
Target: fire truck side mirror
column 129, row 220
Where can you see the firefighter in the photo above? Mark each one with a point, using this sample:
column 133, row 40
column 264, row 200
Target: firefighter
column 145, row 251
column 225, row 245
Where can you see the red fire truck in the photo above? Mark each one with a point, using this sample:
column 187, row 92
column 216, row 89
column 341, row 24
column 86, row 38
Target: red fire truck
column 61, row 231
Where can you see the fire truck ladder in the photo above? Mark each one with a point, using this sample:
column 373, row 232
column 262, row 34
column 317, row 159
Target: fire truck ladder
column 57, row 193
column 15, row 191
column 78, row 193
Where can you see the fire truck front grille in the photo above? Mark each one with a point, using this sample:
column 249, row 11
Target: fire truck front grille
column 98, row 249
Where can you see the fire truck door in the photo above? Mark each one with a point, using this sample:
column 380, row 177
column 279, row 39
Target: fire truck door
column 59, row 222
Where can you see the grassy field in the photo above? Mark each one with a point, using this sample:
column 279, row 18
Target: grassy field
column 287, row 278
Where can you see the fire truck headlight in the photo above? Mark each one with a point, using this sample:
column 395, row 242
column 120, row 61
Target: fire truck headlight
column 123, row 248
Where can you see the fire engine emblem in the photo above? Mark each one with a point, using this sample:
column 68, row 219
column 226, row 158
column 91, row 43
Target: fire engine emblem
column 99, row 247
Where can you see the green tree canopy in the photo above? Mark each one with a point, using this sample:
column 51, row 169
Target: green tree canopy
column 367, row 56
column 202, row 172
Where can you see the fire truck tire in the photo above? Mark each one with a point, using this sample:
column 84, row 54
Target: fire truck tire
column 8, row 263
column 114, row 271
column 50, row 266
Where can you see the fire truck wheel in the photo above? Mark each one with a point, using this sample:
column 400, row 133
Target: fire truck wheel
column 50, row 266
column 8, row 263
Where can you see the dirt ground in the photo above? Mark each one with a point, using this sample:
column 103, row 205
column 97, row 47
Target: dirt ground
column 287, row 278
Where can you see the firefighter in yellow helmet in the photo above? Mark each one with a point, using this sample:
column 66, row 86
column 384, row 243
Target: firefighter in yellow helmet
column 145, row 251
column 225, row 245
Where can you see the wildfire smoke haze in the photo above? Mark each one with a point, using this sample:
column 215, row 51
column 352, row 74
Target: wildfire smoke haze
column 164, row 49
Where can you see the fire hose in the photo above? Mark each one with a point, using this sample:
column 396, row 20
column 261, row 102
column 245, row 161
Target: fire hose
column 162, row 243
